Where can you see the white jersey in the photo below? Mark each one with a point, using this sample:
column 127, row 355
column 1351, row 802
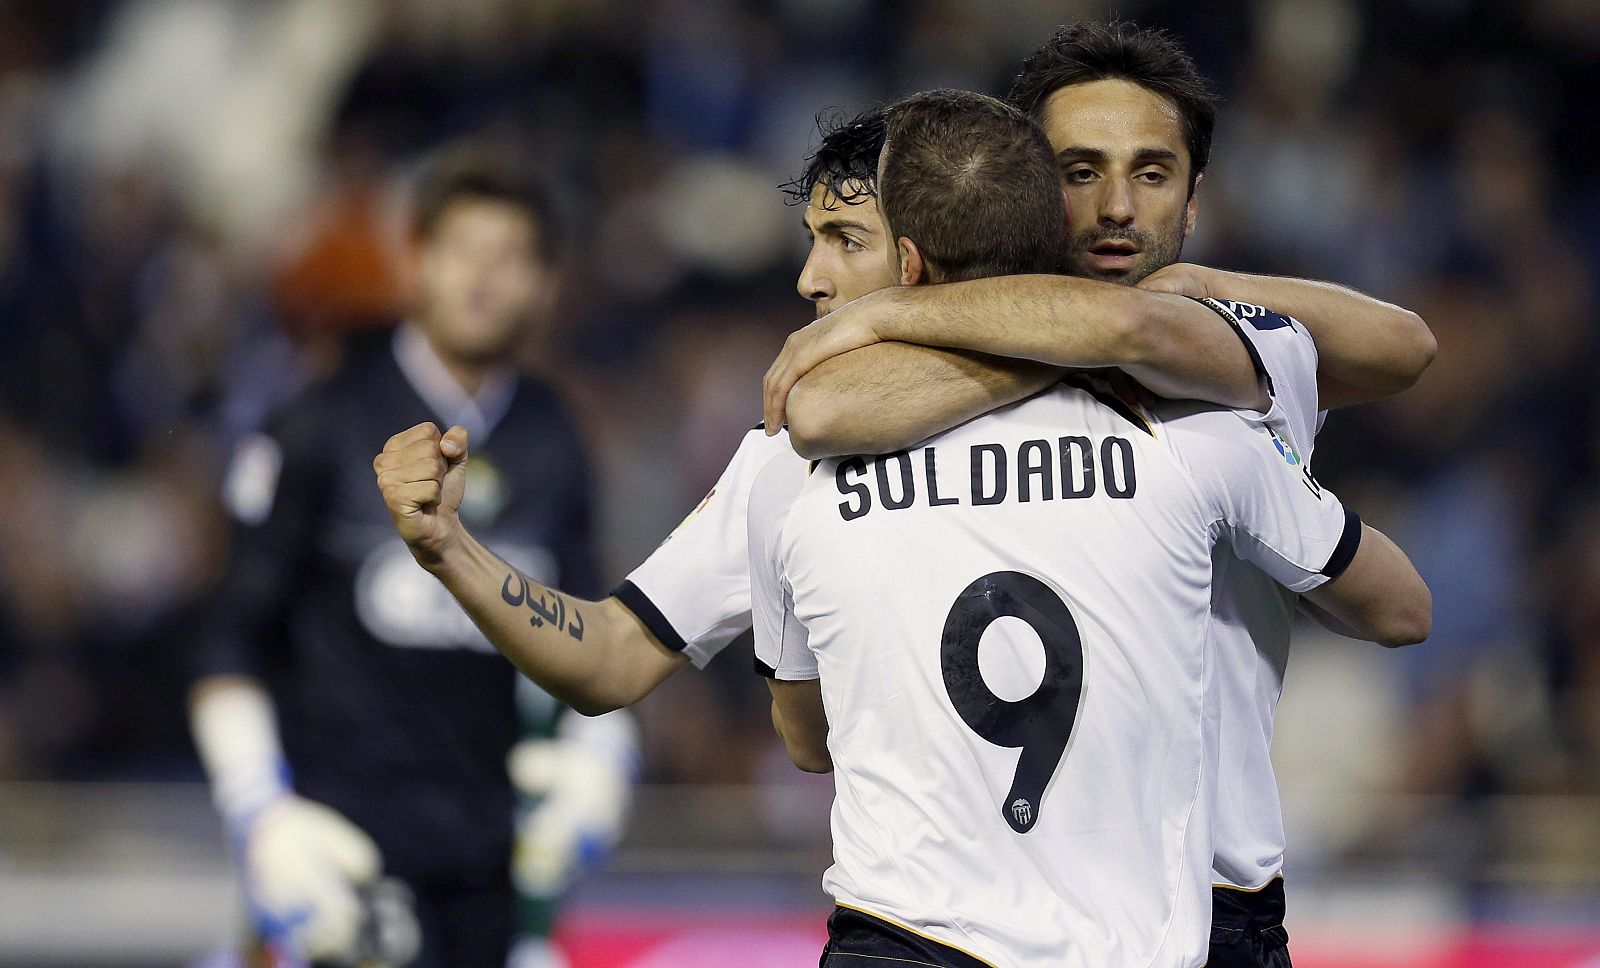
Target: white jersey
column 1030, row 806
column 1251, row 620
column 693, row 592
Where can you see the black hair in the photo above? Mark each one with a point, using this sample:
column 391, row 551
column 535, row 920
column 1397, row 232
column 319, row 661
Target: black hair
column 972, row 181
column 846, row 162
column 468, row 172
column 1152, row 59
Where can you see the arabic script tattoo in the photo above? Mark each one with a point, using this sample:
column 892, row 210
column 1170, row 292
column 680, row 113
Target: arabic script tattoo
column 551, row 610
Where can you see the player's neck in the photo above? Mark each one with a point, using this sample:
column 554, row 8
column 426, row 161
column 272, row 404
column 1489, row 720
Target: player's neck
column 469, row 376
column 468, row 373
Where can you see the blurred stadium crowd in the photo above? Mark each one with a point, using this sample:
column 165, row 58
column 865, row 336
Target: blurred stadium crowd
column 197, row 197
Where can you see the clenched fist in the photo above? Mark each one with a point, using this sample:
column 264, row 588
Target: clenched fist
column 423, row 475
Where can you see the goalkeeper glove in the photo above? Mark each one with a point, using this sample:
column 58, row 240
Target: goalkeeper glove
column 304, row 864
column 580, row 783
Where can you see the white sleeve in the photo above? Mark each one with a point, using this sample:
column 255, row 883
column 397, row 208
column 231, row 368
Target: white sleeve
column 1263, row 499
column 693, row 592
column 1285, row 356
column 783, row 649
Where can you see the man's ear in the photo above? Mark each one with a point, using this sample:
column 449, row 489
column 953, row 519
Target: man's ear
column 1192, row 207
column 913, row 270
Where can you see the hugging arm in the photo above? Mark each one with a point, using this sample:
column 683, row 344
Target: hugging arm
column 1367, row 349
column 802, row 723
column 1379, row 596
column 1174, row 346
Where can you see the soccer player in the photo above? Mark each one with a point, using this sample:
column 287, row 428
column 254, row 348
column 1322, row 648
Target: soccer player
column 691, row 597
column 1130, row 120
column 351, row 719
column 992, row 809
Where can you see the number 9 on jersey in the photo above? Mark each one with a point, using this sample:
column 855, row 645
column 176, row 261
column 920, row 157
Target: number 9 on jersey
column 1039, row 724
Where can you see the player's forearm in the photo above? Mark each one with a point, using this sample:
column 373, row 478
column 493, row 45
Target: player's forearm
column 577, row 650
column 1379, row 596
column 888, row 396
column 1049, row 319
column 1174, row 346
column 235, row 732
column 1366, row 348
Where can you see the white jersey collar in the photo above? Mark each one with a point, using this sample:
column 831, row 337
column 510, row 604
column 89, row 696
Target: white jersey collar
column 451, row 404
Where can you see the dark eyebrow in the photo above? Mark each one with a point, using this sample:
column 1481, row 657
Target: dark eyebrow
column 842, row 224
column 1156, row 154
column 1080, row 153
column 1073, row 153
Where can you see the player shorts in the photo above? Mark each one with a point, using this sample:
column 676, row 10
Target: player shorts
column 1247, row 928
column 859, row 940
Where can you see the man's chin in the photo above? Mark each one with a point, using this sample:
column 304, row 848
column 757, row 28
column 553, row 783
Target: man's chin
column 477, row 352
column 1129, row 276
column 1117, row 276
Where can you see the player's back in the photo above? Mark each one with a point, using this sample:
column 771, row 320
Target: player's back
column 1029, row 813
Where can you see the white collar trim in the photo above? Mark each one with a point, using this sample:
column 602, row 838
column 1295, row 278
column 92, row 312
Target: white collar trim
column 450, row 403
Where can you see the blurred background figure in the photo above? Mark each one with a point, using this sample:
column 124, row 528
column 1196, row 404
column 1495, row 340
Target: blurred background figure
column 198, row 198
column 355, row 726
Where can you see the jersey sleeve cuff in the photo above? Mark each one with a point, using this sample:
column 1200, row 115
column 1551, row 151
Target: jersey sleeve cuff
column 1249, row 347
column 1345, row 551
column 786, row 675
column 636, row 601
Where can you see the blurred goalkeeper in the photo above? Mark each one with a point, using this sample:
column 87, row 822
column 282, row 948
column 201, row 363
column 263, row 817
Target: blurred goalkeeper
column 361, row 736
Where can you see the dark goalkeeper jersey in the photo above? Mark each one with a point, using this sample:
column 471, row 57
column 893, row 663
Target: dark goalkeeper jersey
column 394, row 709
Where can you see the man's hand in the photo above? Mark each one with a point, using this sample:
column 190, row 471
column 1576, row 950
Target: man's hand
column 423, row 476
column 303, row 864
column 847, row 328
column 1180, row 278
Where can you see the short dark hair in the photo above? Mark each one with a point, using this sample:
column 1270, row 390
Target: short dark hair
column 972, row 181
column 472, row 173
column 1152, row 59
column 846, row 162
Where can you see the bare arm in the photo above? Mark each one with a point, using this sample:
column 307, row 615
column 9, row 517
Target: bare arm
column 593, row 656
column 888, row 396
column 235, row 730
column 1367, row 349
column 1379, row 596
column 1174, row 346
column 1327, row 621
column 802, row 723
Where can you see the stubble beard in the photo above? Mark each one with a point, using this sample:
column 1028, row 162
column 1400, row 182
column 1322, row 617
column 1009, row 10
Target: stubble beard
column 1156, row 251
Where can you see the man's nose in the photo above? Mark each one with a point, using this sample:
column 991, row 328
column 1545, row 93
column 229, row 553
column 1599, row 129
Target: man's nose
column 1116, row 206
column 814, row 283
